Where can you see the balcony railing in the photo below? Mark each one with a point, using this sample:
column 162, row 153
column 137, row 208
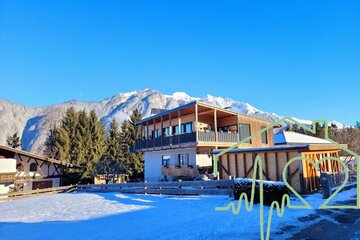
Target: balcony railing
column 224, row 137
column 227, row 137
column 207, row 136
column 7, row 177
column 166, row 141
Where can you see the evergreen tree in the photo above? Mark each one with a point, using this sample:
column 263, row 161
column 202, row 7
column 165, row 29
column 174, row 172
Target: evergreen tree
column 14, row 141
column 96, row 144
column 137, row 159
column 110, row 163
column 125, row 146
column 320, row 130
column 50, row 142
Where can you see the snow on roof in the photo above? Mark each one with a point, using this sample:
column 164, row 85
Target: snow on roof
column 287, row 137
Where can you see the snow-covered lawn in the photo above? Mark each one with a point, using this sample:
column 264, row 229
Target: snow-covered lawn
column 120, row 216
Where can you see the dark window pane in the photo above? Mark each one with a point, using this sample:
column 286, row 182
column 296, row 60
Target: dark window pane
column 264, row 139
column 165, row 160
column 175, row 130
column 245, row 132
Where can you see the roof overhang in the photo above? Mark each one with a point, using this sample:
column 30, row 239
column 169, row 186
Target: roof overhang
column 38, row 157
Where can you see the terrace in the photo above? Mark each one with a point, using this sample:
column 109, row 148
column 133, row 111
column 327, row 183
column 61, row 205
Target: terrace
column 197, row 124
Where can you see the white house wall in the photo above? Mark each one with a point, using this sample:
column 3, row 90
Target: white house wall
column 47, row 169
column 203, row 160
column 153, row 161
column 7, row 165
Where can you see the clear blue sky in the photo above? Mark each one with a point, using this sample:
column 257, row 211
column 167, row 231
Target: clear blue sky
column 298, row 58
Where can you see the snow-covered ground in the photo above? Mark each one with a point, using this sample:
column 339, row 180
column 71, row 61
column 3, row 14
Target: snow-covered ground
column 120, row 216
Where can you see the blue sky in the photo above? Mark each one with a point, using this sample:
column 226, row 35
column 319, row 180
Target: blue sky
column 298, row 58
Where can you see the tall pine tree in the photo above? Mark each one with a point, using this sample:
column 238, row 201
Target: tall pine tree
column 137, row 159
column 110, row 163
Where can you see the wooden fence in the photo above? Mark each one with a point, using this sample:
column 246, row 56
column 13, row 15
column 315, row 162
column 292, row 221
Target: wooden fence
column 214, row 187
column 22, row 194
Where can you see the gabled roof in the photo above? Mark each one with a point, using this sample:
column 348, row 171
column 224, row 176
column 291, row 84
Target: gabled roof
column 38, row 157
column 287, row 137
column 193, row 103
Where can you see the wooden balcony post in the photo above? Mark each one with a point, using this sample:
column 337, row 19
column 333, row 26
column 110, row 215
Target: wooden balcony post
column 153, row 137
column 238, row 128
column 215, row 124
column 196, row 123
column 161, row 131
column 170, row 126
column 179, row 126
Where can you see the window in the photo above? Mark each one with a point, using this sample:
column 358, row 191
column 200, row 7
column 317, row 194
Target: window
column 175, row 130
column 155, row 134
column 20, row 167
column 264, row 138
column 244, row 132
column 33, row 167
column 186, row 127
column 165, row 160
column 183, row 159
column 166, row 132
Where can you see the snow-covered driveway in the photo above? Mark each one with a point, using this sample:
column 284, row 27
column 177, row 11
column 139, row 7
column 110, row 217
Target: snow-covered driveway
column 119, row 216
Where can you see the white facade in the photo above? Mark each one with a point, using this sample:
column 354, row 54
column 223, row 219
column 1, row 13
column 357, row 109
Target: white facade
column 154, row 161
column 7, row 165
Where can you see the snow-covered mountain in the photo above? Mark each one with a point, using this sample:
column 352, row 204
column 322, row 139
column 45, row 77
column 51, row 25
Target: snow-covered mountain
column 34, row 123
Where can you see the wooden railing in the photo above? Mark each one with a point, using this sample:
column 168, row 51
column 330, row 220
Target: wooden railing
column 227, row 137
column 187, row 138
column 22, row 194
column 166, row 141
column 213, row 187
column 207, row 137
column 7, row 177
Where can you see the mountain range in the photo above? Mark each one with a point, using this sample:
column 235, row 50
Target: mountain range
column 33, row 123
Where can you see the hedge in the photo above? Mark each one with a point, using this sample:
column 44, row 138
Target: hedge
column 273, row 191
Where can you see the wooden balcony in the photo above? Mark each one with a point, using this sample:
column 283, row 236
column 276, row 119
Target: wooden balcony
column 166, row 141
column 221, row 137
column 179, row 171
column 7, row 177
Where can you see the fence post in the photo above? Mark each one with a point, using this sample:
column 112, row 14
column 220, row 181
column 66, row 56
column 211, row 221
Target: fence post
column 326, row 185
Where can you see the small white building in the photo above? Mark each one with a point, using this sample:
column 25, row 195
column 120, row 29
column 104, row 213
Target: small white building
column 28, row 171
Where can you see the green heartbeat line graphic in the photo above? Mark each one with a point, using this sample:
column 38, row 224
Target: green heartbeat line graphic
column 280, row 208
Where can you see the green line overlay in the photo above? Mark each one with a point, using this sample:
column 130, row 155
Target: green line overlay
column 280, row 208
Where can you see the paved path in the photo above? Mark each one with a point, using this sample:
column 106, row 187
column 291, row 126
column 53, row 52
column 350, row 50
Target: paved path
column 329, row 224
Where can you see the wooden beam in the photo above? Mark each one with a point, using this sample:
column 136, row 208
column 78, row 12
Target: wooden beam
column 215, row 125
column 179, row 126
column 161, row 132
column 196, row 123
column 205, row 112
column 244, row 164
column 236, row 166
column 266, row 165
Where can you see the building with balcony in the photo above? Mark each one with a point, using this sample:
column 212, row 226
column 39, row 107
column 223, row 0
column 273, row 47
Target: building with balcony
column 27, row 171
column 178, row 143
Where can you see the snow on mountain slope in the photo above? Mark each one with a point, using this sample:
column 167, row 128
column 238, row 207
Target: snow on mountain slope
column 34, row 123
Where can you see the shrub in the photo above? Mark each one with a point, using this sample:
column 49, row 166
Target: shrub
column 273, row 191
